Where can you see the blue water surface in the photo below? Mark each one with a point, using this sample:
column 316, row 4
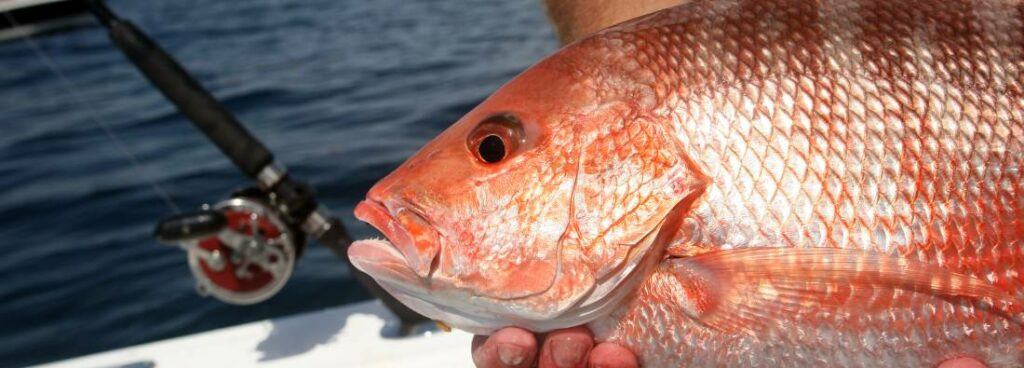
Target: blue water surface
column 341, row 91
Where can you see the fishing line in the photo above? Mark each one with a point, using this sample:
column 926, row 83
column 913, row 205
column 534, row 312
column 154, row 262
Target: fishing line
column 70, row 90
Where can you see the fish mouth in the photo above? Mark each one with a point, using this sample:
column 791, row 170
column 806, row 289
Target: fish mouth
column 412, row 245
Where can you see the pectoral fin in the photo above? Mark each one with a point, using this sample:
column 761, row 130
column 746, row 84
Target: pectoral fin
column 749, row 289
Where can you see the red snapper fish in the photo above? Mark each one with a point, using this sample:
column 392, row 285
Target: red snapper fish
column 736, row 183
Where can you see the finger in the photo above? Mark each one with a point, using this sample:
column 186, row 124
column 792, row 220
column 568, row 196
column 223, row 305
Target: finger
column 961, row 363
column 610, row 355
column 566, row 348
column 509, row 347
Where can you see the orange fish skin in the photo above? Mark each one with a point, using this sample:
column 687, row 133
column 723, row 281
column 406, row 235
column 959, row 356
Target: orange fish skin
column 888, row 126
column 737, row 183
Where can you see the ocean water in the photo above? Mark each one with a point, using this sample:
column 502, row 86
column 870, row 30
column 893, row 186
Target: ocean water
column 341, row 91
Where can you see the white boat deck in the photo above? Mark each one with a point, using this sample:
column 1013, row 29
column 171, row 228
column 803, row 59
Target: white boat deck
column 346, row 336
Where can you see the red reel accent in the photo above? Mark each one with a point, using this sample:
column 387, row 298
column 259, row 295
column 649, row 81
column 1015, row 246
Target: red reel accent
column 226, row 277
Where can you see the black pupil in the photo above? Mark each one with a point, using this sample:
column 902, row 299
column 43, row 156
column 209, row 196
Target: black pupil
column 492, row 149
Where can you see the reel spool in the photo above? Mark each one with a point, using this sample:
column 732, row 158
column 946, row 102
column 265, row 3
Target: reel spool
column 240, row 251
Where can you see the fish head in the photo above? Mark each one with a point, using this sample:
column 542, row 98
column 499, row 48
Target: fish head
column 534, row 203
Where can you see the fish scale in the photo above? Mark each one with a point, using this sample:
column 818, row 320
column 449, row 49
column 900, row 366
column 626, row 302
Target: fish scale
column 923, row 162
column 741, row 183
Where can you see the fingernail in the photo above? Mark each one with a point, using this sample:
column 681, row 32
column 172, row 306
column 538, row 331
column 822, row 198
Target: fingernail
column 511, row 355
column 962, row 363
column 567, row 353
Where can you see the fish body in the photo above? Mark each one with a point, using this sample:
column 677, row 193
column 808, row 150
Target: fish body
column 736, row 183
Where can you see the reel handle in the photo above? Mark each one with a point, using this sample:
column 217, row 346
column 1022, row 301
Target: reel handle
column 190, row 226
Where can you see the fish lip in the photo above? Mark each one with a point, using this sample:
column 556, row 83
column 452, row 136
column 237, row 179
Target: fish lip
column 382, row 260
column 397, row 230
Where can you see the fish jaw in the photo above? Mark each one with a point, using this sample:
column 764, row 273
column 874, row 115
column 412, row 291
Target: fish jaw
column 409, row 234
column 396, row 265
column 404, row 265
column 386, row 264
column 440, row 301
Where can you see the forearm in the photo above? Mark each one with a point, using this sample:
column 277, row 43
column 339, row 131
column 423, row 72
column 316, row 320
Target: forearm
column 575, row 19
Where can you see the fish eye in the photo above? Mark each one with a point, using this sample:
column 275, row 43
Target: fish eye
column 491, row 149
column 496, row 138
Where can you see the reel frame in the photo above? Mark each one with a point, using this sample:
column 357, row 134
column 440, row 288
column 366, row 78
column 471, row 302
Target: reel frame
column 246, row 265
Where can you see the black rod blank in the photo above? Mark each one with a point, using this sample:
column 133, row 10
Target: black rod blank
column 195, row 102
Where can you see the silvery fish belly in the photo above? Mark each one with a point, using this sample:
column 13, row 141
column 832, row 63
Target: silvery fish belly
column 736, row 183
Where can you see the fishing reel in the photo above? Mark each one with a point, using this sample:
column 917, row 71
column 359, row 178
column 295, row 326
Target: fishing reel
column 240, row 250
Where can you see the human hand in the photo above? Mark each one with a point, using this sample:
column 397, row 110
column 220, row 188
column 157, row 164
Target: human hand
column 574, row 347
column 571, row 347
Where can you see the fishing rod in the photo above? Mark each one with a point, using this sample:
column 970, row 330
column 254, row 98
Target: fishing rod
column 243, row 249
